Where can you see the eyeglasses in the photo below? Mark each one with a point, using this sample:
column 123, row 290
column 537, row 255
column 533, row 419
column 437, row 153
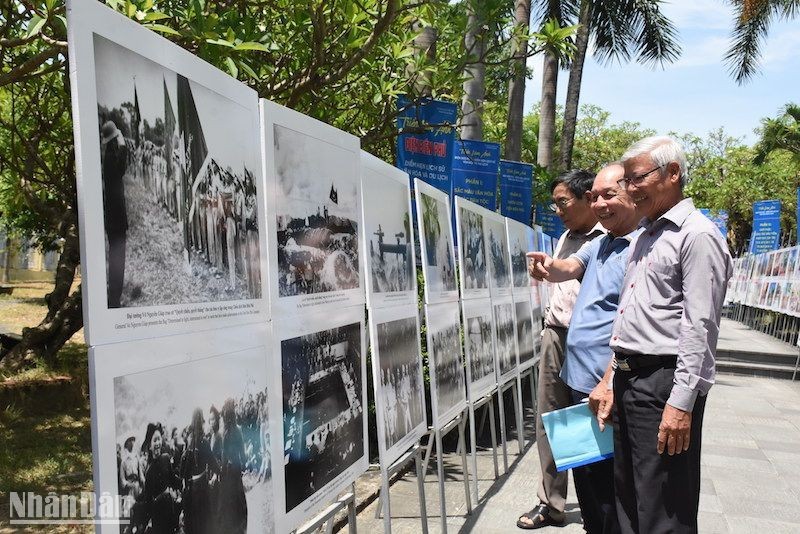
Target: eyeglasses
column 561, row 203
column 636, row 180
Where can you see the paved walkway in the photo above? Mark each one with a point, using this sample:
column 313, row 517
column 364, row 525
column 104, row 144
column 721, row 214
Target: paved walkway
column 750, row 478
column 738, row 337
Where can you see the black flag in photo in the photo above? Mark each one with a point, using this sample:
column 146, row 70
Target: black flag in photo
column 169, row 131
column 137, row 115
column 334, row 195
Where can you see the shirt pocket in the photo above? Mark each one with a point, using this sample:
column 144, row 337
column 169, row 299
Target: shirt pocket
column 663, row 284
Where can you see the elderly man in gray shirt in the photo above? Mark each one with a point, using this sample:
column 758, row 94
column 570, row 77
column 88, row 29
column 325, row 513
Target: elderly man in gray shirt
column 664, row 339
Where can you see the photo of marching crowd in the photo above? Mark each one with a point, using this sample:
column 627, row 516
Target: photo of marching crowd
column 525, row 334
column 318, row 215
column 323, row 431
column 479, row 348
column 474, row 250
column 179, row 192
column 194, row 461
column 497, row 253
column 518, row 235
column 504, row 337
column 401, row 385
column 444, row 347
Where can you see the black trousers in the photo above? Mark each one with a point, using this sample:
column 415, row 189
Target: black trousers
column 594, row 487
column 655, row 493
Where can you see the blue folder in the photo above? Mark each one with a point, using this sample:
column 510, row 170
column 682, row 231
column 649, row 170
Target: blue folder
column 575, row 437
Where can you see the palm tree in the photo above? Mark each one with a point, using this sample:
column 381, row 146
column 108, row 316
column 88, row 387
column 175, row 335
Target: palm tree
column 751, row 26
column 474, row 74
column 782, row 133
column 622, row 30
column 516, row 86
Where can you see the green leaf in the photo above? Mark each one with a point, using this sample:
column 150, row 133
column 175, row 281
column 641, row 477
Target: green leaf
column 163, row 29
column 130, row 10
column 251, row 45
column 249, row 71
column 35, row 25
column 49, row 5
column 148, row 4
column 156, row 16
column 232, row 69
column 220, row 42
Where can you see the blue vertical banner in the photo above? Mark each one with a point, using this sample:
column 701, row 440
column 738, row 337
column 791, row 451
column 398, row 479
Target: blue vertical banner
column 516, row 188
column 550, row 222
column 766, row 226
column 719, row 218
column 474, row 173
column 425, row 150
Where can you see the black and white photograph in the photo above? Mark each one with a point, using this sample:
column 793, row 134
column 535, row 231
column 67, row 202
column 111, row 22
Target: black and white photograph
column 494, row 232
column 479, row 347
column 526, row 336
column 436, row 236
column 323, row 420
column 505, row 342
column 314, row 197
column 398, row 381
column 187, row 419
column 472, row 250
column 448, row 390
column 521, row 240
column 388, row 234
column 169, row 179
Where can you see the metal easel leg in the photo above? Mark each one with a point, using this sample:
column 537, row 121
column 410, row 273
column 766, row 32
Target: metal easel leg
column 423, row 505
column 493, row 428
column 473, row 444
column 440, row 469
column 502, row 411
column 462, row 425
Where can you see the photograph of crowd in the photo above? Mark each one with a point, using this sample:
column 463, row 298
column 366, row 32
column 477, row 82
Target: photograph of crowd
column 473, row 250
column 521, row 241
column 497, row 247
column 179, row 189
column 401, row 386
column 323, row 431
column 525, row 334
column 195, row 459
column 479, row 350
column 444, row 349
column 388, row 233
column 504, row 338
column 437, row 243
column 318, row 214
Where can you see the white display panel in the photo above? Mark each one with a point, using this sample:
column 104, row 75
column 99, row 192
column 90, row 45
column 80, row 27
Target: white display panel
column 505, row 339
column 436, row 241
column 521, row 240
column 322, row 391
column 155, row 402
column 312, row 173
column 446, row 366
column 397, row 379
column 527, row 330
column 169, row 184
column 472, row 252
column 479, row 347
column 391, row 272
column 536, row 286
column 497, row 255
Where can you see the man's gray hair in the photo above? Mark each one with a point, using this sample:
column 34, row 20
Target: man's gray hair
column 663, row 150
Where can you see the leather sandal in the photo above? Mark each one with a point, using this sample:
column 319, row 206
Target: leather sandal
column 538, row 517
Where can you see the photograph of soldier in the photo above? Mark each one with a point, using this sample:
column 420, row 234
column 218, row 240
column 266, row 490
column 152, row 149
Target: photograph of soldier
column 472, row 241
column 437, row 243
column 497, row 247
column 388, row 235
column 318, row 214
column 179, row 190
column 479, row 348
column 323, row 431
column 444, row 350
column 504, row 337
column 401, row 384
column 521, row 240
column 195, row 459
column 524, row 330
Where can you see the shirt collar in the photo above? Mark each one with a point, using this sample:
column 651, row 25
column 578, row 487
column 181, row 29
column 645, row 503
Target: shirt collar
column 596, row 230
column 677, row 214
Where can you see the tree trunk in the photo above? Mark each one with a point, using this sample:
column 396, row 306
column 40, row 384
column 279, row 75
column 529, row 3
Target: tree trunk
column 516, row 87
column 574, row 86
column 475, row 74
column 64, row 312
column 547, row 111
column 424, row 42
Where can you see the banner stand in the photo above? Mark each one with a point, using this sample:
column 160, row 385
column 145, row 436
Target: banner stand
column 325, row 517
column 531, row 373
column 384, row 498
column 435, row 436
column 473, row 405
column 510, row 384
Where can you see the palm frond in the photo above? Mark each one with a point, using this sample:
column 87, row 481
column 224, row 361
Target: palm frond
column 751, row 26
column 655, row 38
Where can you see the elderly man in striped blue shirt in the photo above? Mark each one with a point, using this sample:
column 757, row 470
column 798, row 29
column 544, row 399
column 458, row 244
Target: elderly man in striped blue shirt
column 601, row 264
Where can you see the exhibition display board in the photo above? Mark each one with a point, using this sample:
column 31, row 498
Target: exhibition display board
column 769, row 281
column 472, row 253
column 388, row 234
column 505, row 340
column 497, row 255
column 446, row 365
column 479, row 351
column 169, row 180
column 436, row 241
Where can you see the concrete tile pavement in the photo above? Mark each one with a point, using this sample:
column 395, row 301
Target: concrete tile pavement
column 750, row 472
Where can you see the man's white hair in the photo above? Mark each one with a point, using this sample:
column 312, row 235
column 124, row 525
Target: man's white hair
column 663, row 150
